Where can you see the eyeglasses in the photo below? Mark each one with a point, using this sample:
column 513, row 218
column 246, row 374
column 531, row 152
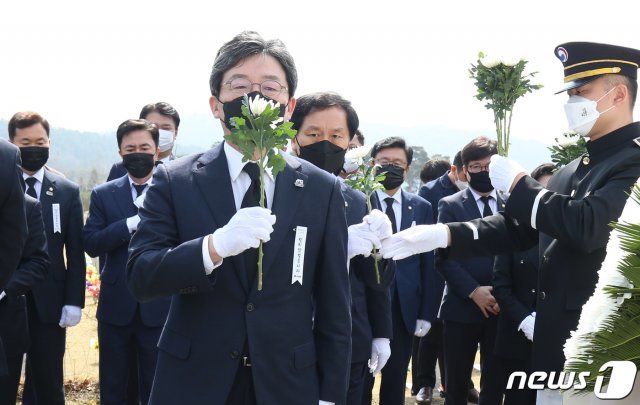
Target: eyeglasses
column 269, row 88
column 477, row 168
column 397, row 163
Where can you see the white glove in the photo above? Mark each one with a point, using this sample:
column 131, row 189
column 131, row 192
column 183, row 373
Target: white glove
column 361, row 240
column 527, row 326
column 502, row 172
column 139, row 202
column 70, row 316
column 380, row 353
column 245, row 230
column 414, row 240
column 379, row 223
column 422, row 327
column 326, row 403
column 132, row 223
column 2, row 295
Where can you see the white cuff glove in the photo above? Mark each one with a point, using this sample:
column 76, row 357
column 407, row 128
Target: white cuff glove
column 132, row 223
column 422, row 327
column 527, row 326
column 414, row 240
column 502, row 172
column 139, row 202
column 380, row 353
column 379, row 224
column 326, row 403
column 361, row 240
column 245, row 230
column 70, row 316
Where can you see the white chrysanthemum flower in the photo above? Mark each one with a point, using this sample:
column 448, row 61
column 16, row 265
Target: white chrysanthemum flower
column 491, row 63
column 512, row 60
column 567, row 144
column 358, row 153
column 258, row 104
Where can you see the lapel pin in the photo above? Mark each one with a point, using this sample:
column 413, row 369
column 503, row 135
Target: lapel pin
column 346, row 204
column 409, row 208
column 50, row 191
column 299, row 183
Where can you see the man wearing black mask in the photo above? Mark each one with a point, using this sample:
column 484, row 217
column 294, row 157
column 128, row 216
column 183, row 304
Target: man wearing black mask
column 409, row 291
column 326, row 123
column 56, row 303
column 124, row 325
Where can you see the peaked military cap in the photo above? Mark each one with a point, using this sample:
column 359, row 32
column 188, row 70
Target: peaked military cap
column 586, row 61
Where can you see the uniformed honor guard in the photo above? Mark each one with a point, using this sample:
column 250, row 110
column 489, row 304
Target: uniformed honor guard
column 570, row 217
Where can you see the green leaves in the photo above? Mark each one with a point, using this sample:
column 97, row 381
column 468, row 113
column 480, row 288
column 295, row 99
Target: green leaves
column 501, row 84
column 570, row 147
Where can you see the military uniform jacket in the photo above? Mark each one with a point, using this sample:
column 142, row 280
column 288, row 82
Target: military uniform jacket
column 572, row 221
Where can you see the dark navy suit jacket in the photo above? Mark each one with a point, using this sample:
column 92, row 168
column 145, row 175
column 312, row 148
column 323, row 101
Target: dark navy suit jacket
column 106, row 233
column 370, row 300
column 463, row 275
column 65, row 282
column 299, row 336
column 413, row 273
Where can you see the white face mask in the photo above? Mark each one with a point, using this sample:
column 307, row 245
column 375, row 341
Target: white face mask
column 461, row 184
column 166, row 140
column 583, row 113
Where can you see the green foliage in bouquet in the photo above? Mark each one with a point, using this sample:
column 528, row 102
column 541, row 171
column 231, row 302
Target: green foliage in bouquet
column 501, row 84
column 571, row 147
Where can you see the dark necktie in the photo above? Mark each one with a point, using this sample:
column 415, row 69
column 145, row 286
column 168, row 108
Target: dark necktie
column 31, row 190
column 252, row 199
column 487, row 209
column 391, row 214
column 139, row 189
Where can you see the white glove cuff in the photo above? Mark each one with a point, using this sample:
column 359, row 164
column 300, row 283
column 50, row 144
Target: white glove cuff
column 441, row 235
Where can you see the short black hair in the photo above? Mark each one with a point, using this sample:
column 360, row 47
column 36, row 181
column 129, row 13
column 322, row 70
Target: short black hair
column 457, row 160
column 161, row 108
column 393, row 142
column 360, row 137
column 137, row 125
column 309, row 103
column 25, row 119
column 244, row 45
column 545, row 169
column 630, row 83
column 433, row 169
column 478, row 149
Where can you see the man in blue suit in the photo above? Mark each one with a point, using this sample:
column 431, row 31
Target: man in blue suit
column 124, row 325
column 326, row 123
column 57, row 302
column 469, row 310
column 32, row 269
column 225, row 342
column 409, row 289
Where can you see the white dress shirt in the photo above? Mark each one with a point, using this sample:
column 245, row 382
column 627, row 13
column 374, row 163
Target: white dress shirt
column 493, row 202
column 240, row 182
column 39, row 175
column 397, row 205
column 134, row 193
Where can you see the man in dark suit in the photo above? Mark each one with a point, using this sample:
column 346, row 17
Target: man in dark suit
column 432, row 345
column 326, row 123
column 56, row 303
column 408, row 291
column 124, row 325
column 13, row 223
column 13, row 307
column 469, row 310
column 515, row 279
column 167, row 120
column 571, row 218
column 225, row 341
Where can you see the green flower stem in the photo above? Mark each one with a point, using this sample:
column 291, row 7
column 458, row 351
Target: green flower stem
column 375, row 251
column 262, row 159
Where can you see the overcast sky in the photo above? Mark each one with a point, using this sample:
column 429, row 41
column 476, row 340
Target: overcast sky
column 89, row 67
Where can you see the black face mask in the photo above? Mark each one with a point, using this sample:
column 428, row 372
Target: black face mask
column 480, row 182
column 138, row 165
column 393, row 176
column 233, row 108
column 34, row 157
column 325, row 155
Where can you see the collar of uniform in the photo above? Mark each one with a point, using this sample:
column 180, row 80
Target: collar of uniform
column 397, row 196
column 477, row 196
column 39, row 175
column 446, row 181
column 600, row 148
column 234, row 160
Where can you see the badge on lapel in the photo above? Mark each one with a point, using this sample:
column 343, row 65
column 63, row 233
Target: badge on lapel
column 299, row 183
column 49, row 192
